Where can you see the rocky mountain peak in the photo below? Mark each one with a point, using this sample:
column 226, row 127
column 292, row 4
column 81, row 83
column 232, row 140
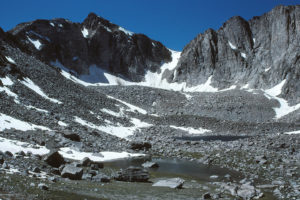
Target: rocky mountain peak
column 93, row 21
column 259, row 53
column 238, row 32
column 96, row 44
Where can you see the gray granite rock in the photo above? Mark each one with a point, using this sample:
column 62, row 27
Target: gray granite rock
column 72, row 172
column 171, row 183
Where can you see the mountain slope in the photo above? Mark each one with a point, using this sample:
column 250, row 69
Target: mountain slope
column 95, row 44
column 241, row 55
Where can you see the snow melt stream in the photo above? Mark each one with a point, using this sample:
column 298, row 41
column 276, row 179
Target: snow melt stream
column 192, row 130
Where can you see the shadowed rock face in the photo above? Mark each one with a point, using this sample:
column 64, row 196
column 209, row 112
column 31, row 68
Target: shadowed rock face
column 97, row 42
column 260, row 52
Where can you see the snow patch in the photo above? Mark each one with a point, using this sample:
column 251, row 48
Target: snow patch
column 69, row 153
column 31, row 85
column 96, row 75
column 131, row 107
column 52, row 24
column 60, row 25
column 75, row 80
column 187, row 96
column 245, row 86
column 11, row 171
column 267, row 69
column 206, row 87
column 126, row 31
column 113, row 80
column 154, row 79
column 292, row 132
column 61, row 123
column 119, row 131
column 106, row 28
column 37, row 109
column 15, row 146
column 276, row 90
column 65, row 72
column 243, row 55
column 110, row 112
column 85, row 33
column 232, row 87
column 7, row 81
column 192, row 130
column 37, row 44
column 10, row 60
column 284, row 107
column 10, row 93
column 7, row 122
column 232, row 46
column 123, row 131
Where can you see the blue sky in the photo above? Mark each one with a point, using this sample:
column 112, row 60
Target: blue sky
column 172, row 22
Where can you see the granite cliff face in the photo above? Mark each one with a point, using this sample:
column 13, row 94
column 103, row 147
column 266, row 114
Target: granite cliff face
column 95, row 42
column 259, row 53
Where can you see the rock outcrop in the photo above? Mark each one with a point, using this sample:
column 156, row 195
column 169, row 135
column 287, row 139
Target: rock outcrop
column 259, row 53
column 133, row 174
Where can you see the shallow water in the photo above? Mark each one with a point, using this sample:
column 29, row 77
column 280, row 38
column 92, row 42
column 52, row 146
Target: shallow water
column 180, row 168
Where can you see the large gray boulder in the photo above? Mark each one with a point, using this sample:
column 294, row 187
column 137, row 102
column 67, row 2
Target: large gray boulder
column 86, row 162
column 72, row 172
column 133, row 174
column 102, row 178
column 150, row 165
column 54, row 159
column 72, row 136
column 1, row 159
column 248, row 191
column 171, row 183
column 140, row 145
